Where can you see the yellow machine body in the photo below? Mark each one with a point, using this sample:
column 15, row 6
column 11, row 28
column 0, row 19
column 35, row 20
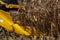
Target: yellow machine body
column 12, row 5
column 7, row 23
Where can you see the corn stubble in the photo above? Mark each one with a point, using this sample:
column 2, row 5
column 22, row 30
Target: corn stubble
column 44, row 15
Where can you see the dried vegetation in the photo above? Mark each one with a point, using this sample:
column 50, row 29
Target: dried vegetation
column 44, row 15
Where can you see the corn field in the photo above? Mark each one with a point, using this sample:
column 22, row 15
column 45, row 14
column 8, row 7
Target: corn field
column 44, row 15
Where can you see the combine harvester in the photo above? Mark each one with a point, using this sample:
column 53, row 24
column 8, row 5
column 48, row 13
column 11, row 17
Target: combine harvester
column 7, row 23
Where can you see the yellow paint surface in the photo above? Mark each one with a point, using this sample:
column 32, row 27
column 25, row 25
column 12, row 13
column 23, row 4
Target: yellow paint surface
column 7, row 23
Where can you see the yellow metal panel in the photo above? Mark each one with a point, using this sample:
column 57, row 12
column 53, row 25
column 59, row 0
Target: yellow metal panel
column 6, row 16
column 6, row 25
column 7, row 20
column 18, row 29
